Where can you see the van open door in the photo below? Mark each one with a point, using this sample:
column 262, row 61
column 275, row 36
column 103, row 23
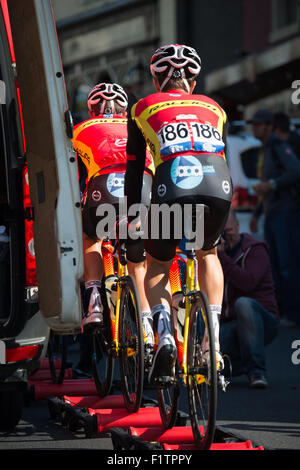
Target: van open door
column 52, row 166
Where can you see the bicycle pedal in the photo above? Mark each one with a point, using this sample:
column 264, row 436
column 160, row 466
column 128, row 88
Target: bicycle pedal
column 164, row 381
column 223, row 382
column 148, row 350
column 148, row 360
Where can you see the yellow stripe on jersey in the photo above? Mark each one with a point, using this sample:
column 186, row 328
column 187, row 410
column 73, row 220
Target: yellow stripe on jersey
column 151, row 167
column 149, row 133
column 151, row 110
column 86, row 155
column 92, row 122
column 150, row 137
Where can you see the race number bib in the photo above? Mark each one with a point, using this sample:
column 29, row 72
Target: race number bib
column 179, row 137
column 174, row 138
column 206, row 138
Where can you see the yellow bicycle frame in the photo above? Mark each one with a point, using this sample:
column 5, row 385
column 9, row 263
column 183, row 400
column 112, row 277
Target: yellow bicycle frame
column 192, row 287
column 121, row 272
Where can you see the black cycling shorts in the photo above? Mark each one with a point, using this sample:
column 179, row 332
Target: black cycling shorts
column 101, row 209
column 191, row 179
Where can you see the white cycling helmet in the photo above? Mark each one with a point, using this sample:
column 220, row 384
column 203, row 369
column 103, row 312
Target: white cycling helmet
column 178, row 60
column 104, row 97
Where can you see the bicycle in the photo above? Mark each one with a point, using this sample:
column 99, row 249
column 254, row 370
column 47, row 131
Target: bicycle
column 57, row 349
column 196, row 369
column 121, row 335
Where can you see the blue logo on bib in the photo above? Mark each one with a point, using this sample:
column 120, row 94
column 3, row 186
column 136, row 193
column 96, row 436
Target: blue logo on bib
column 115, row 184
column 186, row 172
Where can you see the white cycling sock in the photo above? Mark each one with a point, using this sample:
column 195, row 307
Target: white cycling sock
column 95, row 303
column 215, row 314
column 147, row 322
column 162, row 322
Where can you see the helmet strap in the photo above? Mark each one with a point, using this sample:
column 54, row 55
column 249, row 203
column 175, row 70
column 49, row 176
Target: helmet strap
column 185, row 80
column 186, row 84
column 107, row 103
column 170, row 74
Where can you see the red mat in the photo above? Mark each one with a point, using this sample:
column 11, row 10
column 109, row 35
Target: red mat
column 121, row 418
column 46, row 388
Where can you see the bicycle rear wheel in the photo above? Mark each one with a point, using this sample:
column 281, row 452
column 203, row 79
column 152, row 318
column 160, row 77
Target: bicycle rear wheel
column 102, row 354
column 168, row 402
column 202, row 374
column 131, row 343
column 57, row 349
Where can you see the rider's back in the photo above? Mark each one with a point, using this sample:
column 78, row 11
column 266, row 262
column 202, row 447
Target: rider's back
column 184, row 112
column 101, row 142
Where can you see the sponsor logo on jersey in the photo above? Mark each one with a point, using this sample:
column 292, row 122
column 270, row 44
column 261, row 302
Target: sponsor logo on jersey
column 208, row 147
column 226, row 186
column 115, row 184
column 121, row 142
column 182, row 117
column 96, row 195
column 161, row 190
column 208, row 170
column 186, row 172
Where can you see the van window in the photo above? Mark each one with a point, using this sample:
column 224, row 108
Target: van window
column 249, row 160
column 4, row 237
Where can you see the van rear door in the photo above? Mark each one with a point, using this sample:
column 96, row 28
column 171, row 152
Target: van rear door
column 52, row 167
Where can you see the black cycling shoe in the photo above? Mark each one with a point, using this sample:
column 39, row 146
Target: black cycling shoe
column 162, row 372
column 92, row 322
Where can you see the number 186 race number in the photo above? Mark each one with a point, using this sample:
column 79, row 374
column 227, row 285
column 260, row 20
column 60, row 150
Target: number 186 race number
column 178, row 137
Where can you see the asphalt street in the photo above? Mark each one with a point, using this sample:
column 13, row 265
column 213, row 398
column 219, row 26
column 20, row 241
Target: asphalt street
column 269, row 417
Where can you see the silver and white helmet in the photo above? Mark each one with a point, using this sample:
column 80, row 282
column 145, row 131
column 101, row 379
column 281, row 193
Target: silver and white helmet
column 104, row 97
column 178, row 60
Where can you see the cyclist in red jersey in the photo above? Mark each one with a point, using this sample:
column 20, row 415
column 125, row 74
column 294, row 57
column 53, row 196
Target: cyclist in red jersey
column 186, row 135
column 100, row 142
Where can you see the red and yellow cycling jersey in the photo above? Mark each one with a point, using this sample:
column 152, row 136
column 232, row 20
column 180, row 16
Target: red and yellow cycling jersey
column 101, row 144
column 176, row 123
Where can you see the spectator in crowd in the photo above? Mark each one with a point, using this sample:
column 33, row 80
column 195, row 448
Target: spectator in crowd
column 282, row 129
column 249, row 319
column 279, row 173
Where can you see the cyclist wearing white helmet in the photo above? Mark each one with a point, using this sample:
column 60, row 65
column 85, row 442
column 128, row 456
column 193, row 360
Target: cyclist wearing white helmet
column 107, row 98
column 174, row 61
column 100, row 142
column 186, row 135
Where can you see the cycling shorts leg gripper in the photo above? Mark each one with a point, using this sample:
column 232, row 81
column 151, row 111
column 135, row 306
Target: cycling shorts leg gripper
column 135, row 251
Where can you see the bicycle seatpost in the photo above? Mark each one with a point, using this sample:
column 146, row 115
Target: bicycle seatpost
column 194, row 226
column 122, row 253
column 194, row 232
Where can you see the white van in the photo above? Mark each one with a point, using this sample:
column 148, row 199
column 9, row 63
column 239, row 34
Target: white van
column 242, row 156
column 41, row 259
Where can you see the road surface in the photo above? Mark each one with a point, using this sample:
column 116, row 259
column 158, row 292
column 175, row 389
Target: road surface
column 269, row 417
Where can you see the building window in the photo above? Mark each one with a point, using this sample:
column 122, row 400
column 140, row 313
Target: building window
column 285, row 19
column 79, row 108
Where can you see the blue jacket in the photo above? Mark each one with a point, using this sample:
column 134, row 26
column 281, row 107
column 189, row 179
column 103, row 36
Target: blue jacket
column 281, row 164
